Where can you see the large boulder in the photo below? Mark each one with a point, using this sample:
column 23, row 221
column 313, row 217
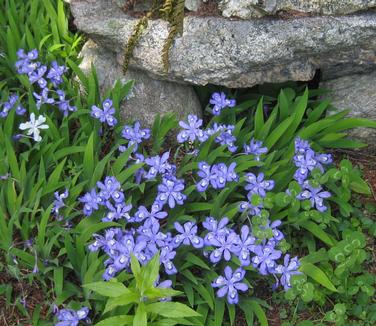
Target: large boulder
column 247, row 9
column 237, row 53
column 358, row 93
column 148, row 97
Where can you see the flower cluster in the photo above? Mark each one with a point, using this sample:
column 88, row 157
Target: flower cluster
column 216, row 175
column 220, row 101
column 10, row 104
column 47, row 81
column 109, row 196
column 257, row 245
column 261, row 254
column 192, row 131
column 42, row 76
column 306, row 160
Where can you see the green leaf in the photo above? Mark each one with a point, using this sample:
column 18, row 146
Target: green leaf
column 278, row 132
column 150, row 273
column 121, row 300
column 88, row 161
column 58, row 280
column 12, row 159
column 136, row 270
column 108, row 289
column 360, row 186
column 318, row 275
column 259, row 118
column 219, row 312
column 259, row 312
column 116, row 320
column 318, row 232
column 197, row 261
column 140, row 318
column 171, row 310
column 205, row 294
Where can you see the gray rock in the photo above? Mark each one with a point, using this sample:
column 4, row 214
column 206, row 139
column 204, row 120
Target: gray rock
column 237, row 53
column 193, row 5
column 254, row 8
column 148, row 96
column 358, row 93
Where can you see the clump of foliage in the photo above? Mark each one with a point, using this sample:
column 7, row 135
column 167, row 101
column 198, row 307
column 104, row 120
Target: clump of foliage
column 116, row 226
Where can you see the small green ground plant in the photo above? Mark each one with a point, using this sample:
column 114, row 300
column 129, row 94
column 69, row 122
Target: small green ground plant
column 114, row 224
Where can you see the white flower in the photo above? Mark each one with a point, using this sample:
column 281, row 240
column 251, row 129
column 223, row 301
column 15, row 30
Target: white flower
column 34, row 126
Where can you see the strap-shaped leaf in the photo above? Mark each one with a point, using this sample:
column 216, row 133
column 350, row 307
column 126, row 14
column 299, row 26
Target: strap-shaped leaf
column 318, row 275
column 108, row 289
column 116, row 320
column 171, row 310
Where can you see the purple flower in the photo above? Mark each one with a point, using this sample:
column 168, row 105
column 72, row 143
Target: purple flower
column 191, row 130
column 217, row 175
column 301, row 146
column 158, row 164
column 63, row 104
column 251, row 209
column 38, row 76
column 55, row 73
column 25, row 64
column 69, row 317
column 324, row 158
column 289, row 268
column 35, row 269
column 255, row 148
column 305, row 163
column 264, row 259
column 163, row 285
column 59, row 201
column 7, row 106
column 225, row 245
column 188, row 235
column 107, row 242
column 244, row 246
column 149, row 232
column 170, row 191
column 43, row 98
column 257, row 185
column 215, row 228
column 105, row 115
column 225, row 136
column 20, row 110
column 277, row 234
column 315, row 196
column 90, row 201
column 230, row 284
column 117, row 212
column 167, row 255
column 219, row 102
column 306, row 160
column 142, row 213
column 110, row 189
column 135, row 134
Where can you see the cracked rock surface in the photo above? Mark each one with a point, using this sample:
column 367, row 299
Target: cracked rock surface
column 237, row 53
